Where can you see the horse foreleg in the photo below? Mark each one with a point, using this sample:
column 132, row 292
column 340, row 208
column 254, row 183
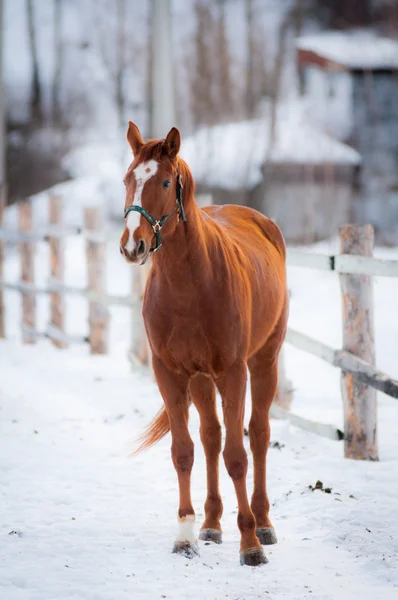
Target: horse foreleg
column 203, row 394
column 232, row 387
column 174, row 390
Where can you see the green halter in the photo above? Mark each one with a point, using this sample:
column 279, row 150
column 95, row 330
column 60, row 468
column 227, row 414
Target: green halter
column 157, row 225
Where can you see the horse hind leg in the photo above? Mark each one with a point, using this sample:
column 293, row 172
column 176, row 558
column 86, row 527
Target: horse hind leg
column 263, row 368
column 232, row 387
column 203, row 394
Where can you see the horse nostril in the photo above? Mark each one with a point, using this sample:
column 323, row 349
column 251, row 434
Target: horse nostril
column 141, row 247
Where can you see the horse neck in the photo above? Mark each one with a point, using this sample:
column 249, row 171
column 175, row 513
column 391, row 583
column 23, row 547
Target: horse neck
column 183, row 258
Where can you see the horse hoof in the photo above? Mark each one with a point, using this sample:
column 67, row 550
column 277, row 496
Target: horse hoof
column 267, row 536
column 187, row 549
column 211, row 535
column 253, row 557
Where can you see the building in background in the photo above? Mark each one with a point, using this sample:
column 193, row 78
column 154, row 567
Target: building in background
column 350, row 82
column 303, row 179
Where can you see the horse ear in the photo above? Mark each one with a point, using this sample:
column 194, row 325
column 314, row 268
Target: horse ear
column 172, row 142
column 134, row 137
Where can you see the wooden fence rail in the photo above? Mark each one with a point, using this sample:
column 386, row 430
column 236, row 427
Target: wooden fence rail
column 362, row 265
column 92, row 296
column 330, row 432
column 360, row 369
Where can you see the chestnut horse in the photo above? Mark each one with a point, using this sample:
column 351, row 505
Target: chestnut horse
column 215, row 303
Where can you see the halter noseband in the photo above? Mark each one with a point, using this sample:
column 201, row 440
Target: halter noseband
column 157, row 225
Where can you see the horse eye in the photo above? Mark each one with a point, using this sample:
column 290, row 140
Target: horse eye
column 166, row 184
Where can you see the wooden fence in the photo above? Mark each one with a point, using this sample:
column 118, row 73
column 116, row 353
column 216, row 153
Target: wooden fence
column 355, row 266
column 96, row 294
column 360, row 378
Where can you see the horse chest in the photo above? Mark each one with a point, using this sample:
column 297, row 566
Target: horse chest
column 186, row 345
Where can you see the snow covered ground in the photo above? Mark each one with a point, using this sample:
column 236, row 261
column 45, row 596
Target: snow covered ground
column 79, row 519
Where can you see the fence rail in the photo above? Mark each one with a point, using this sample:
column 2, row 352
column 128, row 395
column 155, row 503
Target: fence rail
column 353, row 264
column 346, row 361
column 330, row 432
column 51, row 287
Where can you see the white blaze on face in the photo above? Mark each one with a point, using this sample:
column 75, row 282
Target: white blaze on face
column 186, row 529
column 142, row 174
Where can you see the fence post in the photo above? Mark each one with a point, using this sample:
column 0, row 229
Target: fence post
column 95, row 256
column 284, row 392
column 27, row 254
column 57, row 304
column 360, row 401
column 140, row 351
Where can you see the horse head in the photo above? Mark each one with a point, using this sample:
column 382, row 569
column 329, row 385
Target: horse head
column 153, row 194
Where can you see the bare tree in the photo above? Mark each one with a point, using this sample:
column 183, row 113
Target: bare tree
column 121, row 60
column 58, row 52
column 257, row 77
column 250, row 99
column 225, row 88
column 109, row 19
column 36, row 93
column 293, row 19
column 202, row 82
column 2, row 174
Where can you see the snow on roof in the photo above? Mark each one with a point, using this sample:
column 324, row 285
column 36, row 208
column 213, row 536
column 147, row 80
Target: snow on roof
column 231, row 156
column 356, row 49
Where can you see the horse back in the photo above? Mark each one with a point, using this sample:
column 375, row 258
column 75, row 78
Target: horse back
column 247, row 227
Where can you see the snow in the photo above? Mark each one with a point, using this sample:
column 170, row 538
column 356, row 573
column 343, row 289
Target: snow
column 81, row 519
column 329, row 102
column 356, row 49
column 245, row 147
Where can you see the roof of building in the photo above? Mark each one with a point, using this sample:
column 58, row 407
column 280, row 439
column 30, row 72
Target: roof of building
column 231, row 156
column 354, row 49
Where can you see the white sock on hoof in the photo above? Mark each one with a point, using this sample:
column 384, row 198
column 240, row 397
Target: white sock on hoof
column 186, row 529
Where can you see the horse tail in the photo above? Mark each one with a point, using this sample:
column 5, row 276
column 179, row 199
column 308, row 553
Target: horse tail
column 154, row 432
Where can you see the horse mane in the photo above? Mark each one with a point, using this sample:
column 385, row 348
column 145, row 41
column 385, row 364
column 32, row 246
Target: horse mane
column 187, row 180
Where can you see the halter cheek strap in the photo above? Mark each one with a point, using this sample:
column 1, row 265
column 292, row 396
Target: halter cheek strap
column 157, row 225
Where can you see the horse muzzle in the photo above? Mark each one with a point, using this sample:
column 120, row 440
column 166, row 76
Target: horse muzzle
column 137, row 255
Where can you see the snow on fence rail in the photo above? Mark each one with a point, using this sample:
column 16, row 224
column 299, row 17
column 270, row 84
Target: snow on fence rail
column 360, row 378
